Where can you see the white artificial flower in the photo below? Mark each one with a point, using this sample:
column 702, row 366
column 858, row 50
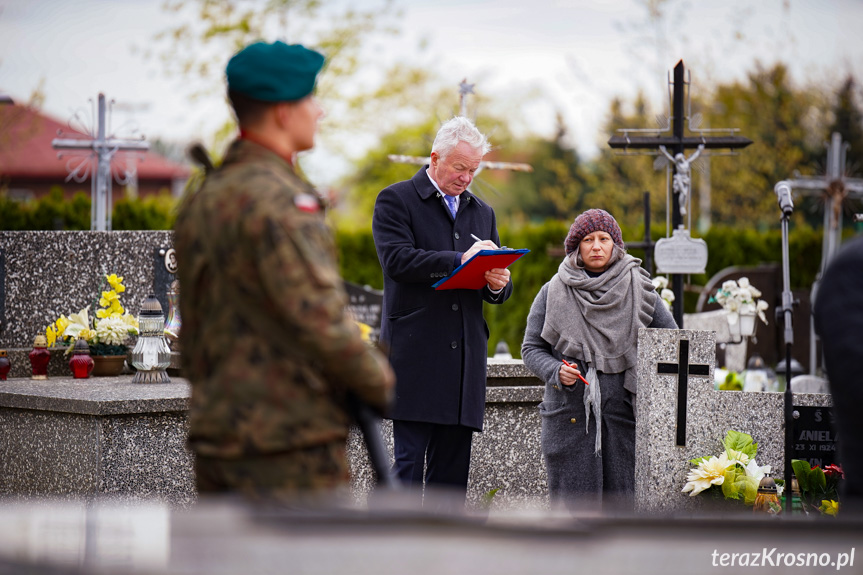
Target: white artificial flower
column 755, row 471
column 77, row 322
column 737, row 456
column 761, row 307
column 112, row 331
column 131, row 323
column 709, row 472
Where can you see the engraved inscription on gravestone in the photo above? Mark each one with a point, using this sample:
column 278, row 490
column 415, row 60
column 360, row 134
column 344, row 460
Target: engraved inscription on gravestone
column 814, row 436
column 680, row 254
column 365, row 306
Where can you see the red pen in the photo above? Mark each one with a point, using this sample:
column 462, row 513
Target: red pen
column 578, row 376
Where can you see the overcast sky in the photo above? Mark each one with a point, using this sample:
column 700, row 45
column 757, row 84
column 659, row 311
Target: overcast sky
column 578, row 53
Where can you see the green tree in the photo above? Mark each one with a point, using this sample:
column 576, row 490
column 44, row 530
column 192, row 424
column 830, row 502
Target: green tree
column 205, row 33
column 556, row 187
column 375, row 171
column 621, row 179
column 778, row 118
column 848, row 121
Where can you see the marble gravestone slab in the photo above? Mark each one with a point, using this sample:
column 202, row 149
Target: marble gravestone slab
column 98, row 437
column 45, row 274
column 661, row 464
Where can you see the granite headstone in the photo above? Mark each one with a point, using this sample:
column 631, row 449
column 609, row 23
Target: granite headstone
column 661, row 465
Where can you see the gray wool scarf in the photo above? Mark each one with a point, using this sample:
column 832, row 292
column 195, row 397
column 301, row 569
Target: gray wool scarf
column 596, row 320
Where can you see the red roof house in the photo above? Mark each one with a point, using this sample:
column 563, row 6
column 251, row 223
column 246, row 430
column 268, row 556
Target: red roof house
column 30, row 166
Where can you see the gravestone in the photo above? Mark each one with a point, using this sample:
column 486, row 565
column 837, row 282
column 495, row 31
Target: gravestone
column 44, row 274
column 814, row 436
column 662, row 463
column 365, row 305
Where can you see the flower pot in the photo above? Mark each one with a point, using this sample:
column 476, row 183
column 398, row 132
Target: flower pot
column 108, row 365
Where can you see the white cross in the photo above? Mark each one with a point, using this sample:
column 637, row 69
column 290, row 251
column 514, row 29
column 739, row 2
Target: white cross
column 103, row 148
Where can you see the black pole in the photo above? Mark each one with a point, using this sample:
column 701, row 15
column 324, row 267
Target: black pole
column 648, row 241
column 370, row 426
column 783, row 190
column 676, row 218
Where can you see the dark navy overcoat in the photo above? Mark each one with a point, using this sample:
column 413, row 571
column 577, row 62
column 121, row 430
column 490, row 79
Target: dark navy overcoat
column 437, row 339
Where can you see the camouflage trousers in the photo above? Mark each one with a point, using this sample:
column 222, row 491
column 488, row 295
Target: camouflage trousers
column 282, row 476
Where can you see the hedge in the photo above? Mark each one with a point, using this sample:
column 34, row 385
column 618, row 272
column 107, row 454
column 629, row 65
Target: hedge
column 726, row 247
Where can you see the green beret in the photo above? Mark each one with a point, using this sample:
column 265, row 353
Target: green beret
column 274, row 72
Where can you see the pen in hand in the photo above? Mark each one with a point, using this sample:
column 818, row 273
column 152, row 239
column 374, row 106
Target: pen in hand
column 479, row 240
column 579, row 375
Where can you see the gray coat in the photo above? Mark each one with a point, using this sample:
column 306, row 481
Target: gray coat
column 575, row 474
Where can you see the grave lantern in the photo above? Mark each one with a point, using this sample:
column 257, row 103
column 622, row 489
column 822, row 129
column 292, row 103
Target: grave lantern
column 767, row 499
column 151, row 356
column 39, row 357
column 5, row 364
column 81, row 363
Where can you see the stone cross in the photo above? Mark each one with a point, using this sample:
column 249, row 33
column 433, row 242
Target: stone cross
column 102, row 146
column 662, row 463
column 676, row 145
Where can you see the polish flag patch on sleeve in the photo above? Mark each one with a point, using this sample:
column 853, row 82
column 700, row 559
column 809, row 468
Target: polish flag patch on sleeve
column 307, row 203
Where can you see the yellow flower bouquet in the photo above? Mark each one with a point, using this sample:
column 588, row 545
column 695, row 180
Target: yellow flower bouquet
column 107, row 333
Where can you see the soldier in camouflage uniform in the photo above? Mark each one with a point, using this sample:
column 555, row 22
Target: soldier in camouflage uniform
column 267, row 346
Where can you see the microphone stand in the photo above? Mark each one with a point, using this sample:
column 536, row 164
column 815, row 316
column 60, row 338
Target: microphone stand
column 783, row 190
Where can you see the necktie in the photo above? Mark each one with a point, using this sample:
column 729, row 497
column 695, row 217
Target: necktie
column 450, row 202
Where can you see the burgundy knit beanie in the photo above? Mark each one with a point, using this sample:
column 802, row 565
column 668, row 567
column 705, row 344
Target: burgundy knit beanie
column 592, row 221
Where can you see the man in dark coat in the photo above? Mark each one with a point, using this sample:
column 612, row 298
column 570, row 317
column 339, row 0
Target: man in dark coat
column 839, row 322
column 437, row 340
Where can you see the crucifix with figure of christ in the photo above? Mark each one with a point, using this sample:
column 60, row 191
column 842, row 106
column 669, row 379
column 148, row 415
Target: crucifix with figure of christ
column 674, row 147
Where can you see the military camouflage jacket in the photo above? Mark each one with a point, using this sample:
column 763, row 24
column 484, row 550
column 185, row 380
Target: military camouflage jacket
column 266, row 343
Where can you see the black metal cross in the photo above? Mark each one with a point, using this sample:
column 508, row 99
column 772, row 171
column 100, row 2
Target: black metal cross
column 682, row 368
column 676, row 143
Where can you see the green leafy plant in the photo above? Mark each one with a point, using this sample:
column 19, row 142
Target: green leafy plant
column 488, row 498
column 732, row 382
column 819, row 488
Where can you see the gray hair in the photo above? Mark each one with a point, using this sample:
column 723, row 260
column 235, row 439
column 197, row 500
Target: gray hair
column 576, row 261
column 459, row 129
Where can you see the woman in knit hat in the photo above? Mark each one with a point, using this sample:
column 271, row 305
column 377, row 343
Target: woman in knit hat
column 581, row 340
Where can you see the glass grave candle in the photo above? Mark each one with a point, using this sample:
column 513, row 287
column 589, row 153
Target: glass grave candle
column 151, row 356
column 39, row 358
column 81, row 363
column 5, row 364
column 767, row 498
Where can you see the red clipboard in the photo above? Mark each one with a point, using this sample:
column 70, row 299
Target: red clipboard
column 470, row 274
